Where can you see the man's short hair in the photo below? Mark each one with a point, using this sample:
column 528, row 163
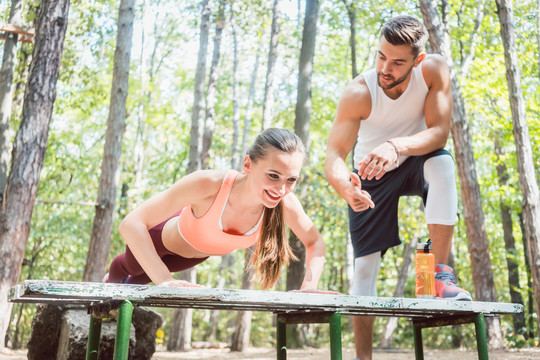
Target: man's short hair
column 406, row 30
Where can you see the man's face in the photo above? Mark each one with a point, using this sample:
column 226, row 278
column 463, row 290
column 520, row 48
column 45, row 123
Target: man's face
column 394, row 64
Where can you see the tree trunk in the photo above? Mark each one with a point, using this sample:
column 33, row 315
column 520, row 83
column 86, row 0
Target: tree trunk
column 268, row 104
column 351, row 12
column 6, row 91
column 527, row 180
column 211, row 93
column 531, row 318
column 180, row 338
column 509, row 242
column 29, row 148
column 538, row 35
column 391, row 323
column 484, row 285
column 240, row 340
column 141, row 110
column 249, row 104
column 226, row 263
column 100, row 239
column 303, row 101
column 200, row 74
column 474, row 39
column 235, row 156
column 296, row 269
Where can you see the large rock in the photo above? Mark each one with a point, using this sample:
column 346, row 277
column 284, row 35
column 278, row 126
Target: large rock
column 43, row 342
column 146, row 322
column 61, row 332
column 74, row 337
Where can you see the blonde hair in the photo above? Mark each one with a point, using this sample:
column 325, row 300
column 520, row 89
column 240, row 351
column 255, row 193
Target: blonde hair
column 272, row 250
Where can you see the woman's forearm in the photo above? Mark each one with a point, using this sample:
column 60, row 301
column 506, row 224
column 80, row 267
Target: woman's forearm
column 140, row 244
column 315, row 258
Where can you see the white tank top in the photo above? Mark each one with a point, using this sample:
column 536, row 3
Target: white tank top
column 391, row 118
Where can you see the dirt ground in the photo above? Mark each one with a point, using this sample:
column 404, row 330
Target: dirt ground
column 323, row 354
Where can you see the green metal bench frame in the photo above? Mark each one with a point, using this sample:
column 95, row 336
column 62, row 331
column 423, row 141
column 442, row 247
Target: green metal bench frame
column 289, row 307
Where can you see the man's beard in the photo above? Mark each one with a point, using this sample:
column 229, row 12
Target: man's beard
column 395, row 82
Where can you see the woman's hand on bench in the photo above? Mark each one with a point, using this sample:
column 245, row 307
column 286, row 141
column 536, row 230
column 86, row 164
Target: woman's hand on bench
column 316, row 291
column 180, row 283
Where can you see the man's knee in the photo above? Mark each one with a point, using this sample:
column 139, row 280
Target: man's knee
column 441, row 202
column 366, row 270
column 439, row 169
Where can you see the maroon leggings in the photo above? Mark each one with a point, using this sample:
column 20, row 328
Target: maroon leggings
column 126, row 269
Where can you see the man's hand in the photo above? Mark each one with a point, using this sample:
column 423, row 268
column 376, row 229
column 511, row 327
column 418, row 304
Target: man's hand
column 358, row 199
column 378, row 161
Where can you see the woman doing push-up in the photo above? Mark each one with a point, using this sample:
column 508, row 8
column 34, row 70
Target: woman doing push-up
column 213, row 212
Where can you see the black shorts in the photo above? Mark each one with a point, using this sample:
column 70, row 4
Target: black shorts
column 377, row 229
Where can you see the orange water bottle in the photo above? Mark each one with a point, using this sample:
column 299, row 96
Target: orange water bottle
column 424, row 261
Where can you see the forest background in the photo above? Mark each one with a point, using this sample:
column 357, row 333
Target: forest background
column 240, row 92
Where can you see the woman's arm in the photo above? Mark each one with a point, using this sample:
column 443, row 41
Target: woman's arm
column 191, row 189
column 305, row 230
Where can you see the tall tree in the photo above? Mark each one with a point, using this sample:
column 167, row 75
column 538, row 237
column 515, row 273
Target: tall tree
column 295, row 270
column 249, row 103
column 527, row 179
column 29, row 148
column 538, row 35
column 100, row 239
column 227, row 261
column 484, row 285
column 531, row 316
column 180, row 337
column 351, row 13
column 211, row 92
column 141, row 109
column 391, row 322
column 474, row 39
column 240, row 340
column 268, row 104
column 6, row 91
column 198, row 95
column 509, row 242
column 235, row 156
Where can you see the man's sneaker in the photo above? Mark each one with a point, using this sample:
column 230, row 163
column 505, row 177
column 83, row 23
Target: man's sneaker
column 445, row 285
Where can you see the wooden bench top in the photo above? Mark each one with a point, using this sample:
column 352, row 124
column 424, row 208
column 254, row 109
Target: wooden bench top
column 69, row 292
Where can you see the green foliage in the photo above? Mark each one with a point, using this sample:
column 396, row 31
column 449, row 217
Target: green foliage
column 161, row 97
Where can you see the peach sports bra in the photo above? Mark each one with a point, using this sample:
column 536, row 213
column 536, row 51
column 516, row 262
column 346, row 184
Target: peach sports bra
column 206, row 232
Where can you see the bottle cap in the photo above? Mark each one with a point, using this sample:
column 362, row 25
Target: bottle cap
column 426, row 246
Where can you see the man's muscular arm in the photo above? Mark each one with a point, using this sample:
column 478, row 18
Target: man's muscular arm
column 353, row 106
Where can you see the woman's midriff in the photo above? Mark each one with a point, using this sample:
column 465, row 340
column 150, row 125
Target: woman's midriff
column 175, row 243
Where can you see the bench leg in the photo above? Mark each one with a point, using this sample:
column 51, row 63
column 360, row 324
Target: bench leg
column 418, row 346
column 481, row 343
column 123, row 328
column 94, row 336
column 335, row 336
column 281, row 339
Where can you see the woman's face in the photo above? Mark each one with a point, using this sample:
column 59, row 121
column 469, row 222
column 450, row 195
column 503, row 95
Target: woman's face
column 274, row 175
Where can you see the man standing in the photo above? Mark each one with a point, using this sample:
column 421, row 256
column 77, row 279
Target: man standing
column 399, row 116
